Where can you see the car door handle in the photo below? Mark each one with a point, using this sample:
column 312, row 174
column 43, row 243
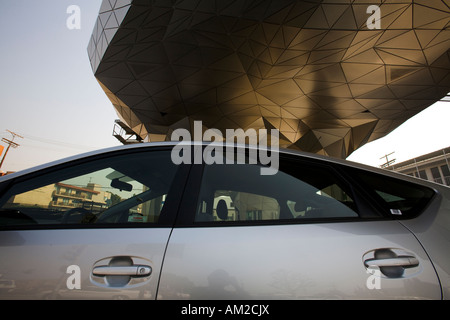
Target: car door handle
column 401, row 261
column 391, row 262
column 132, row 271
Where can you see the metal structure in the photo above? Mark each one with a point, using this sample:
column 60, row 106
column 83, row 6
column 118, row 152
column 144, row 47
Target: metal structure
column 330, row 75
column 125, row 134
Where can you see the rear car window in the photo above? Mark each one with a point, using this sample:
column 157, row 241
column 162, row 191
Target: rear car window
column 298, row 191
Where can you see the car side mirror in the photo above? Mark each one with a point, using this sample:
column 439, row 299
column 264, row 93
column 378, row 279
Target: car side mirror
column 121, row 185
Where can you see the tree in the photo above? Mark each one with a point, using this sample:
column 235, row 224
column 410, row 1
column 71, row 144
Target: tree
column 115, row 199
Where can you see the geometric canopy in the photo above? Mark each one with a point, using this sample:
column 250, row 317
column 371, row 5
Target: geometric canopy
column 330, row 75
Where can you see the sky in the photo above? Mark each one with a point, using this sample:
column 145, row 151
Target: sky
column 49, row 95
column 48, row 92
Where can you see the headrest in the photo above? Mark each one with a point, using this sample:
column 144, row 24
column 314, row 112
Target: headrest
column 222, row 209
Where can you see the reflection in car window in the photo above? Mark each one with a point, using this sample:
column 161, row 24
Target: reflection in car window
column 123, row 189
column 298, row 191
column 240, row 206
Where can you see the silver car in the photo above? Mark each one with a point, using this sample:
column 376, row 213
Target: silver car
column 131, row 223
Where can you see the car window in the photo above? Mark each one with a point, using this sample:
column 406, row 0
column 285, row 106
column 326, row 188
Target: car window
column 239, row 193
column 124, row 189
column 399, row 198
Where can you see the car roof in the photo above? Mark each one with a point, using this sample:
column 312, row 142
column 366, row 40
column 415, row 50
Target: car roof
column 151, row 145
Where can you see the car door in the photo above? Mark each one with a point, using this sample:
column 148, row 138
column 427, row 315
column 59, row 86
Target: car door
column 306, row 232
column 95, row 228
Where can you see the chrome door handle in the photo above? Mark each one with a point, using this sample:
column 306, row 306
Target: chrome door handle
column 131, row 271
column 401, row 261
column 392, row 262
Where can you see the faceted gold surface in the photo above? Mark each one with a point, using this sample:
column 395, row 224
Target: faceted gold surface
column 315, row 70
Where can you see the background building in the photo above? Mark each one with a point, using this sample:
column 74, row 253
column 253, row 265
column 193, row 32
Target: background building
column 434, row 166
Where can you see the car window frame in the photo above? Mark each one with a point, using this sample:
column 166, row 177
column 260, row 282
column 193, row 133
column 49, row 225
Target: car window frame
column 170, row 208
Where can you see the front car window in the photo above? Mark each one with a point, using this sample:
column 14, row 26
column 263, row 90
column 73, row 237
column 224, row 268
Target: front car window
column 121, row 189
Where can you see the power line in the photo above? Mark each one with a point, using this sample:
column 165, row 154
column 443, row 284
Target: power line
column 59, row 143
column 65, row 144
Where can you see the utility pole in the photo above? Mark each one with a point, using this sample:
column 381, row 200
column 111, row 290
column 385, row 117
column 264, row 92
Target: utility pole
column 388, row 162
column 10, row 143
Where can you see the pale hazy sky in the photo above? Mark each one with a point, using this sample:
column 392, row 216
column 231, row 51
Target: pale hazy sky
column 49, row 94
column 424, row 133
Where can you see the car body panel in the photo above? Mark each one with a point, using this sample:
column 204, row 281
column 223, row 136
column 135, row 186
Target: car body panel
column 39, row 260
column 432, row 229
column 306, row 261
